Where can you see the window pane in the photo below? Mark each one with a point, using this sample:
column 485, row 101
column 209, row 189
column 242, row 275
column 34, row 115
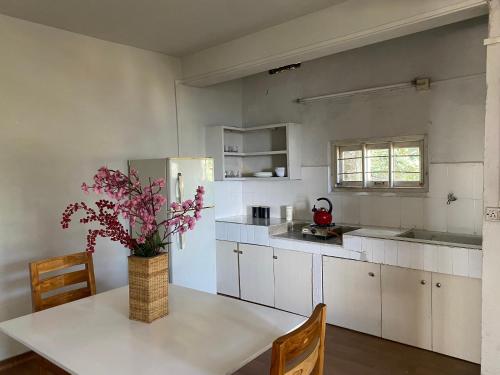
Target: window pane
column 350, row 166
column 377, row 152
column 406, row 151
column 353, row 177
column 403, row 177
column 377, row 176
column 349, row 154
column 407, row 164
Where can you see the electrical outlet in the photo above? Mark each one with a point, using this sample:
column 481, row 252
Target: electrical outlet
column 492, row 214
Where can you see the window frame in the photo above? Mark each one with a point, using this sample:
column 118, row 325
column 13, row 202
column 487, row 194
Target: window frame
column 392, row 186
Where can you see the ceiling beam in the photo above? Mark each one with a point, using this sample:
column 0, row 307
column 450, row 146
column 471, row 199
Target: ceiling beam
column 348, row 25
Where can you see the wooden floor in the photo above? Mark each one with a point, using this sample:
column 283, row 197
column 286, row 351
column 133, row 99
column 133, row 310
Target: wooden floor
column 347, row 353
column 353, row 353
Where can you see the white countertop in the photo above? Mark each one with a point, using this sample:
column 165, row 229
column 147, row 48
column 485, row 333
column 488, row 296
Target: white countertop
column 204, row 334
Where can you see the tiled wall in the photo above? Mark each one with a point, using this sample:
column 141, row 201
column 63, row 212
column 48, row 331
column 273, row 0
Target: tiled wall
column 228, row 198
column 426, row 210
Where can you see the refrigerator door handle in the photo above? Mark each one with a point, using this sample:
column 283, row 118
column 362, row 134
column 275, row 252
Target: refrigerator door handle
column 180, row 192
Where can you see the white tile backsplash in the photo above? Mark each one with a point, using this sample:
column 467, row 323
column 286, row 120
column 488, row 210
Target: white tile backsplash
column 435, row 214
column 427, row 210
column 460, row 180
column 460, row 216
column 438, row 179
column 478, row 217
column 412, row 212
column 350, row 209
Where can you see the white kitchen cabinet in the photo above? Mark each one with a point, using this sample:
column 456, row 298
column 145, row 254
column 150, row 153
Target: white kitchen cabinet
column 406, row 306
column 293, row 281
column 259, row 148
column 456, row 316
column 256, row 274
column 228, row 281
column 351, row 291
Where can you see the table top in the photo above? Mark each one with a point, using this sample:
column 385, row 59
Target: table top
column 204, row 334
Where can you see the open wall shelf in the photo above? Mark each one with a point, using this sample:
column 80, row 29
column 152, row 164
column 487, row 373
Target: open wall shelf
column 260, row 149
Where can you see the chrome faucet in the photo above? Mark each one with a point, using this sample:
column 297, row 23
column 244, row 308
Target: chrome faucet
column 451, row 198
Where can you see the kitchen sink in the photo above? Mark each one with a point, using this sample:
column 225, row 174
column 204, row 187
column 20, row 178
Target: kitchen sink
column 452, row 238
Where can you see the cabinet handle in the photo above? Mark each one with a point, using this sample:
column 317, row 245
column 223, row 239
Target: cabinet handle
column 275, row 257
column 371, row 274
column 235, row 251
column 438, row 285
column 423, row 282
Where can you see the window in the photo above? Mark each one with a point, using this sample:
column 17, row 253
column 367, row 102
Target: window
column 389, row 163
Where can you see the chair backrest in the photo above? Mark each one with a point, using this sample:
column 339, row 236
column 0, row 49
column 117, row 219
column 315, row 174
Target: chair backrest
column 52, row 283
column 302, row 351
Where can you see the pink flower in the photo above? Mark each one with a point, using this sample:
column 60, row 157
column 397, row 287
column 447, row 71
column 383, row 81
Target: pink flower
column 141, row 240
column 175, row 206
column 197, row 215
column 160, row 182
column 186, row 205
column 85, row 188
column 200, row 190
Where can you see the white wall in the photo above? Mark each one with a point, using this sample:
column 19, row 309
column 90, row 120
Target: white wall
column 68, row 104
column 201, row 107
column 451, row 113
column 491, row 232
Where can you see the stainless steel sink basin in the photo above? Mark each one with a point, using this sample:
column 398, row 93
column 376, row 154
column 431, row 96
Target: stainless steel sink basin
column 452, row 238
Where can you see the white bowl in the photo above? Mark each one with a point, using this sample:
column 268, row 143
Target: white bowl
column 263, row 174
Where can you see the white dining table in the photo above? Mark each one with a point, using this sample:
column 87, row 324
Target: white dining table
column 203, row 334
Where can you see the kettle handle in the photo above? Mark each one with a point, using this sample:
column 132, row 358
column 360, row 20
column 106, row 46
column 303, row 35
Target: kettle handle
column 330, row 206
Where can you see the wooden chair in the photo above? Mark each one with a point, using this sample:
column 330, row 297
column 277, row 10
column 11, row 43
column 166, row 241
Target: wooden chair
column 301, row 352
column 40, row 286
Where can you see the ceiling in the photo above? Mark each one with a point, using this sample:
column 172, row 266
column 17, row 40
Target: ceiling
column 173, row 27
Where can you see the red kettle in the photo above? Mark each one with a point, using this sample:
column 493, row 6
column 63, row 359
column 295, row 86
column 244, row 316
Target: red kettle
column 321, row 215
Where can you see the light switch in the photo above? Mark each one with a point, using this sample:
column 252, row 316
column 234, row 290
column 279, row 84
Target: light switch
column 492, row 214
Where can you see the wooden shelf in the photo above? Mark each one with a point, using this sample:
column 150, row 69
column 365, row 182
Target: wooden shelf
column 262, row 153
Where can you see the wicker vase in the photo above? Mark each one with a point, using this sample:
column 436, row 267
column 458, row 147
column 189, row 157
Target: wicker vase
column 148, row 287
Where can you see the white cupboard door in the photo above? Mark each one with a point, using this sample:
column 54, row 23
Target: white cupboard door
column 456, row 316
column 293, row 281
column 406, row 306
column 351, row 291
column 256, row 274
column 227, row 268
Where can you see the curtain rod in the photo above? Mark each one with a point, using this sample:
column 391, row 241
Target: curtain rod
column 417, row 83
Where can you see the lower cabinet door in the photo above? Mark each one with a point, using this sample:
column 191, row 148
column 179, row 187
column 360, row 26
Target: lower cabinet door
column 406, row 306
column 228, row 281
column 456, row 316
column 293, row 281
column 351, row 292
column 256, row 274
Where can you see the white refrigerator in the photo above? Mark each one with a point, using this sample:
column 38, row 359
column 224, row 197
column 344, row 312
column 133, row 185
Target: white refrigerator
column 192, row 261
